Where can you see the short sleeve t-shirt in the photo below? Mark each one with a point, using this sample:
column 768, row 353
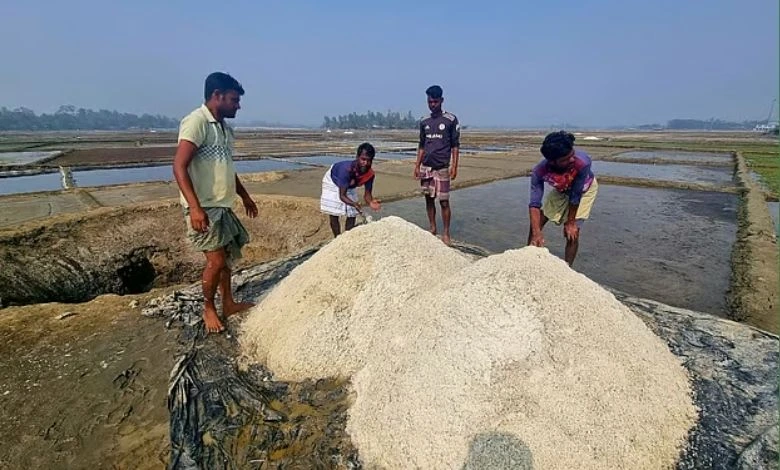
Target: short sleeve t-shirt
column 439, row 134
column 211, row 169
column 346, row 175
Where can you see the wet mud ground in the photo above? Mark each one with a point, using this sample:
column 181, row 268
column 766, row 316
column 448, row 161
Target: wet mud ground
column 84, row 384
column 669, row 245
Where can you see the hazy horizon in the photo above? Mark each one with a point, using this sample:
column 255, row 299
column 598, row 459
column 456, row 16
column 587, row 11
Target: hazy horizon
column 604, row 64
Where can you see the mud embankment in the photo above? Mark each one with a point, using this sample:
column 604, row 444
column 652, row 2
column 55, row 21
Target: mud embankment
column 753, row 297
column 131, row 250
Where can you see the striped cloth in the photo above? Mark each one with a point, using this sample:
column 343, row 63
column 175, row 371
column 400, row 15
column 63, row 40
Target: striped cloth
column 330, row 202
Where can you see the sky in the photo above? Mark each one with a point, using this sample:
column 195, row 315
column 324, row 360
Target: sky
column 501, row 63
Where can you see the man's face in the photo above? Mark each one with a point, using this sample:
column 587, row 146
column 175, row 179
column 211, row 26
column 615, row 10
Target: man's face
column 364, row 163
column 434, row 104
column 565, row 161
column 228, row 103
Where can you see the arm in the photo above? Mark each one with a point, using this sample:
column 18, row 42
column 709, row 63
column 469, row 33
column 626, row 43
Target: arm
column 420, row 151
column 455, row 146
column 184, row 155
column 570, row 229
column 369, row 197
column 249, row 205
column 454, row 163
column 534, row 209
column 346, row 200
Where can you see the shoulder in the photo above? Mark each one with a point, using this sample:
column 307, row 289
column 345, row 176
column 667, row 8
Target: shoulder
column 341, row 165
column 449, row 116
column 583, row 159
column 195, row 117
column 425, row 120
column 540, row 169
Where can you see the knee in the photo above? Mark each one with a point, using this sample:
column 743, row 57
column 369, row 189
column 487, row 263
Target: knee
column 444, row 204
column 216, row 263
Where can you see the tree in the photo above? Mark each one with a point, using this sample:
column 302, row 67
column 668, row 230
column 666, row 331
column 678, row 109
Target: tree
column 371, row 119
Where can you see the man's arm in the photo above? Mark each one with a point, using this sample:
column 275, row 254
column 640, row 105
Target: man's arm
column 420, row 150
column 249, row 204
column 368, row 195
column 535, row 211
column 570, row 229
column 346, row 200
column 454, row 162
column 184, row 155
column 455, row 148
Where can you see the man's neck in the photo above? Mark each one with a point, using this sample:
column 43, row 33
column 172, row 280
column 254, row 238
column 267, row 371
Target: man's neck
column 215, row 113
column 437, row 113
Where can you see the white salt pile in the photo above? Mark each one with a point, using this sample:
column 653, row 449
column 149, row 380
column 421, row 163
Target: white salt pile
column 515, row 353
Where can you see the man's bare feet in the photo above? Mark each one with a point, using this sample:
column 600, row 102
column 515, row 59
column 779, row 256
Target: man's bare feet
column 433, row 231
column 446, row 239
column 210, row 318
column 233, row 308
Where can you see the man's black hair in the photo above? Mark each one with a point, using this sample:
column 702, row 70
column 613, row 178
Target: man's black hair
column 223, row 82
column 557, row 145
column 368, row 149
column 434, row 92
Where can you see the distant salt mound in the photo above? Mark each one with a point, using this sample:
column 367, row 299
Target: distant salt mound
column 515, row 353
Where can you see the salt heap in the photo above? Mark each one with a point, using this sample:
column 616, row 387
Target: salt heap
column 448, row 356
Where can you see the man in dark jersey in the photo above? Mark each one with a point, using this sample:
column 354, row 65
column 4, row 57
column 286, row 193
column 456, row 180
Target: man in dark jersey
column 437, row 159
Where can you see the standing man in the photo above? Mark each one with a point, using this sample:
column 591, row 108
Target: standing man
column 568, row 172
column 208, row 185
column 437, row 159
column 339, row 188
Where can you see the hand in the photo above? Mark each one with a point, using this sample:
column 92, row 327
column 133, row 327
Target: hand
column 571, row 231
column 453, row 172
column 375, row 206
column 416, row 172
column 199, row 220
column 250, row 207
column 359, row 209
column 537, row 239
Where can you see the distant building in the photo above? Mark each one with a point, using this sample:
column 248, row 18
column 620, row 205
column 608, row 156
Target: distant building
column 767, row 127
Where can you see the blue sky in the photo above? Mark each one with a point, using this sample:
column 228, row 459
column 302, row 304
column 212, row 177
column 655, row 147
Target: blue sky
column 500, row 63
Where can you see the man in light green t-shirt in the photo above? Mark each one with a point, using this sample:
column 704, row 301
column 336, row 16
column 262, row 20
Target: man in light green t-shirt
column 208, row 186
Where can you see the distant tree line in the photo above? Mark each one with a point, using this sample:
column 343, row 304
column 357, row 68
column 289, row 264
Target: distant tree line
column 390, row 120
column 69, row 118
column 710, row 124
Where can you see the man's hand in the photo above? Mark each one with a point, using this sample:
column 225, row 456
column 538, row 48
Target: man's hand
column 453, row 172
column 199, row 220
column 375, row 206
column 537, row 239
column 417, row 172
column 250, row 207
column 571, row 231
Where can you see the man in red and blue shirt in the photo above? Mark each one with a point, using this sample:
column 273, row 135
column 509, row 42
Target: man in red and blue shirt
column 568, row 172
column 339, row 188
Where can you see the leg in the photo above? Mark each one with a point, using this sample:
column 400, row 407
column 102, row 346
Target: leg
column 215, row 264
column 430, row 207
column 446, row 215
column 229, row 305
column 544, row 222
column 335, row 226
column 349, row 224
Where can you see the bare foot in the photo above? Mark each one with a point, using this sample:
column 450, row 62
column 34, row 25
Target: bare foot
column 233, row 308
column 433, row 231
column 446, row 239
column 210, row 318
